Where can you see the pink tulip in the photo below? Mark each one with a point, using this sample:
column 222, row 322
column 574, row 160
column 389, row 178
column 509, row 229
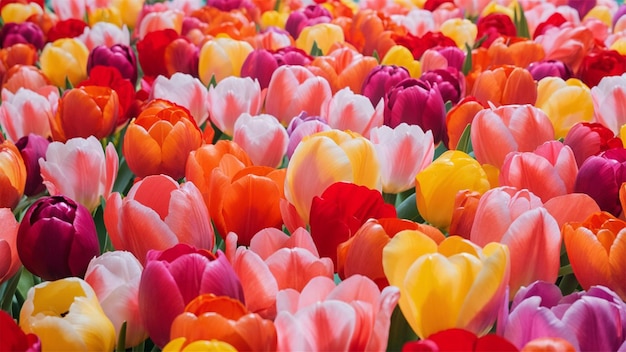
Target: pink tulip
column 104, row 33
column 184, row 90
column 349, row 111
column 9, row 259
column 566, row 43
column 587, row 139
column 80, row 169
column 548, row 172
column 262, row 137
column 158, row 213
column 509, row 128
column 230, row 98
column 70, row 9
column 294, row 89
column 275, row 261
column 28, row 111
column 403, row 152
column 351, row 316
column 114, row 277
column 609, row 102
column 159, row 20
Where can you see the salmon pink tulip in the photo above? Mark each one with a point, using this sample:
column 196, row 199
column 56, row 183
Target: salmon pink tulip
column 80, row 169
column 351, row 316
column 590, row 138
column 404, row 151
column 349, row 111
column 505, row 85
column 294, row 89
column 566, row 43
column 262, row 137
column 160, row 139
column 64, row 60
column 608, row 102
column 232, row 97
column 158, row 213
column 15, row 339
column 184, row 90
column 10, row 262
column 159, row 20
column 601, row 177
column 27, row 111
column 19, row 57
column 172, row 278
column 325, row 158
column 461, row 115
column 455, row 284
column 12, row 175
column 222, row 57
column 114, row 277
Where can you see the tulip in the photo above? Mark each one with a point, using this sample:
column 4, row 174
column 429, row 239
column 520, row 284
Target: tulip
column 601, row 177
column 129, row 10
column 64, row 60
column 437, row 185
column 222, row 57
column 594, row 251
column 416, row 102
column 321, row 35
column 294, row 89
column 550, row 68
column 151, row 52
column 262, row 137
column 64, row 10
column 24, row 76
column 261, row 64
column 172, row 278
column 85, row 111
column 159, row 20
column 349, row 111
column 505, row 85
column 591, row 320
column 493, row 26
column 566, row 43
column 548, row 344
column 158, row 213
column 455, row 284
column 512, row 128
column 351, row 316
column 114, row 277
column 20, row 12
column 462, row 31
column 587, row 139
column 399, row 55
column 12, row 175
column 184, row 90
column 27, row 111
column 70, row 28
column 188, row 51
column 104, row 33
column 419, row 44
column 443, row 58
column 325, row 158
column 232, row 97
column 160, row 139
column 607, row 98
column 450, row 81
column 302, row 126
column 459, row 117
column 120, row 56
column 343, row 67
column 565, row 102
column 180, row 344
column 80, row 169
column 26, row 33
column 460, row 340
column 14, row 338
column 14, row 58
column 308, row 16
column 394, row 147
column 380, row 80
column 66, row 316
column 10, row 261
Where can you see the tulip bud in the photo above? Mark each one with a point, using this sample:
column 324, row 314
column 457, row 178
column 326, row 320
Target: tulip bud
column 33, row 147
column 26, row 32
column 57, row 238
column 65, row 59
column 120, row 56
column 380, row 80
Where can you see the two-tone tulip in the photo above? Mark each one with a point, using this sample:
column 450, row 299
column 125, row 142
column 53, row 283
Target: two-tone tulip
column 12, row 174
column 262, row 137
column 232, row 97
column 607, row 102
column 349, row 111
column 221, row 58
column 27, row 111
column 184, row 90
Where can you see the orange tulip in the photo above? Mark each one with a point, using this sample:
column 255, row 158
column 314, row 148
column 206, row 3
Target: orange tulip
column 160, row 139
column 343, row 67
column 369, row 32
column 9, row 259
column 85, row 111
column 210, row 317
column 505, row 85
column 17, row 54
column 12, row 174
column 459, row 117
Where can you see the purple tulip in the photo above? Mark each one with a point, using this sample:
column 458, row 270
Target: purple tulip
column 417, row 102
column 582, row 6
column 451, row 83
column 57, row 238
column 381, row 79
column 174, row 277
column 311, row 15
column 25, row 32
column 302, row 126
column 550, row 68
column 454, row 55
column 32, row 147
column 594, row 320
column 120, row 56
column 260, row 64
column 601, row 177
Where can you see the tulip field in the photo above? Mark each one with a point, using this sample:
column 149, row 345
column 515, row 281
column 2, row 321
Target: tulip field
column 312, row 175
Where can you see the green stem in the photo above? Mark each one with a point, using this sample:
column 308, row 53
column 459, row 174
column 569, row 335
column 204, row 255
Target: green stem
column 568, row 284
column 7, row 299
column 390, row 198
column 566, row 270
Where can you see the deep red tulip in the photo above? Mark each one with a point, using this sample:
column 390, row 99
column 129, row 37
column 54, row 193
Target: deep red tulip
column 459, row 340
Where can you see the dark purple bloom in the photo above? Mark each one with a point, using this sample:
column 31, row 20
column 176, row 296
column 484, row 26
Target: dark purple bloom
column 601, row 177
column 25, row 32
column 381, row 79
column 451, row 83
column 33, row 147
column 260, row 64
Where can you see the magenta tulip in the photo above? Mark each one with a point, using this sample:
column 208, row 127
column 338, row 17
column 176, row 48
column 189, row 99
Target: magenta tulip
column 601, row 177
column 120, row 56
column 33, row 147
column 381, row 79
column 26, row 33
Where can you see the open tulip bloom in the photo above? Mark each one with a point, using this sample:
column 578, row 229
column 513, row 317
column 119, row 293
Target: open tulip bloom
column 327, row 175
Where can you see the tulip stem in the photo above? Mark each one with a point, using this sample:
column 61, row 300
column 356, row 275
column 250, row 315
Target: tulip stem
column 390, row 198
column 568, row 284
column 121, row 339
column 566, row 270
column 7, row 299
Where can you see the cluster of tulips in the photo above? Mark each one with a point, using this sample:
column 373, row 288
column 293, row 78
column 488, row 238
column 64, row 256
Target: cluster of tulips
column 330, row 175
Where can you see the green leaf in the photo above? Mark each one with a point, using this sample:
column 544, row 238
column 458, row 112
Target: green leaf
column 408, row 209
column 68, row 84
column 124, row 179
column 121, row 339
column 467, row 64
column 315, row 50
column 277, row 5
column 399, row 331
column 465, row 142
column 376, row 56
column 9, row 292
column 212, row 82
column 520, row 22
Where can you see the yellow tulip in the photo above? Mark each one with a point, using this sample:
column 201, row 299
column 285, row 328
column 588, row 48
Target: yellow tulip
column 18, row 13
column 565, row 102
column 401, row 56
column 601, row 13
column 274, row 19
column 63, row 59
column 454, row 285
column 462, row 31
column 180, row 345
column 221, row 58
column 129, row 10
column 437, row 185
column 67, row 316
column 324, row 35
column 105, row 14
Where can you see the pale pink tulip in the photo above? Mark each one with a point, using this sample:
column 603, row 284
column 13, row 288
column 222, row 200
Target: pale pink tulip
column 230, row 98
column 609, row 102
column 471, row 8
column 355, row 112
column 80, row 169
column 538, row 12
column 352, row 316
column 548, row 172
column 9, row 259
column 262, row 137
column 159, row 20
column 294, row 89
column 509, row 128
column 418, row 22
column 403, row 152
column 115, row 276
column 69, row 9
column 28, row 111
column 104, row 33
column 567, row 44
column 184, row 90
column 275, row 261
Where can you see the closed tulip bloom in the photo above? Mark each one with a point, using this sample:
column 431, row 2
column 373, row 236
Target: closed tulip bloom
column 309, row 15
column 462, row 31
column 567, row 43
column 498, row 131
column 450, row 81
column 232, row 97
column 26, row 33
column 158, row 213
column 436, row 186
column 24, row 76
column 404, row 151
column 607, row 98
column 590, row 138
column 10, row 260
column 80, row 169
column 380, row 79
column 14, row 338
column 120, row 56
column 455, row 284
column 325, row 158
column 159, row 20
column 343, row 67
column 416, row 102
column 172, row 278
column 12, row 175
column 505, row 85
column 85, row 111
column 26, row 112
column 601, row 177
column 459, row 117
column 184, row 90
column 323, row 35
column 550, row 68
column 64, row 59
column 262, row 137
column 222, row 57
column 160, row 139
column 399, row 55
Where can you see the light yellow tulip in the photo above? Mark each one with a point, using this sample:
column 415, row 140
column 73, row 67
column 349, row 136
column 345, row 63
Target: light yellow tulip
column 324, row 35
column 63, row 59
column 18, row 13
column 462, row 31
column 401, row 56
column 221, row 58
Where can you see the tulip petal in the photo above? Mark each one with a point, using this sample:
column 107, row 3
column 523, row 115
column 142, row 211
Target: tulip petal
column 573, row 207
column 302, row 267
column 587, row 255
column 259, row 285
